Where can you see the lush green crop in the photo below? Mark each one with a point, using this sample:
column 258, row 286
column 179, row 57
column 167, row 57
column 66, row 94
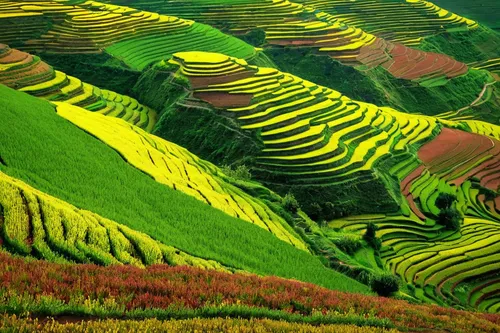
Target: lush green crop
column 47, row 152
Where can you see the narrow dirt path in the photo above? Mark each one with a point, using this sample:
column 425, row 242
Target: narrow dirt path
column 477, row 100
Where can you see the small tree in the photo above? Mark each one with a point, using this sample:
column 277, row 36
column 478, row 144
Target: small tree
column 256, row 37
column 445, row 200
column 450, row 218
column 241, row 172
column 329, row 211
column 290, row 203
column 370, row 236
column 384, row 284
column 348, row 243
column 315, row 212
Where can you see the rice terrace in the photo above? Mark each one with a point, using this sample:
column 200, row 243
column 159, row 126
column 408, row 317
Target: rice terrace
column 250, row 166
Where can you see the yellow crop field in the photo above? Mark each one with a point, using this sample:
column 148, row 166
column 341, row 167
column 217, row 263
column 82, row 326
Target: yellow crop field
column 35, row 221
column 54, row 85
column 175, row 167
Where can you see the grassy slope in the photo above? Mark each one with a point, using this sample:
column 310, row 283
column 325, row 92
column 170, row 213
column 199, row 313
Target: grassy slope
column 56, row 157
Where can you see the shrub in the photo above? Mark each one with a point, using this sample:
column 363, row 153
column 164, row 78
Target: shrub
column 450, row 218
column 348, row 243
column 384, row 284
column 370, row 236
column 255, row 37
column 329, row 211
column 290, row 203
column 241, row 172
column 315, row 211
column 445, row 200
column 371, row 230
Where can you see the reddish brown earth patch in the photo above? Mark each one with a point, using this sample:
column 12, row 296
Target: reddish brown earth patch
column 445, row 142
column 407, row 63
column 406, row 183
column 453, row 152
column 205, row 81
column 414, row 208
column 224, row 99
column 12, row 55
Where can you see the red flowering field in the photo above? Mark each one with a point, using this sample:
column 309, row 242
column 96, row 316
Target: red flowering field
column 163, row 291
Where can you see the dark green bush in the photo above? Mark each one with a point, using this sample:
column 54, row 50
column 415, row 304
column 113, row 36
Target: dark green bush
column 290, row 203
column 450, row 218
column 348, row 243
column 315, row 211
column 445, row 200
column 384, row 284
column 241, row 172
column 255, row 37
column 370, row 236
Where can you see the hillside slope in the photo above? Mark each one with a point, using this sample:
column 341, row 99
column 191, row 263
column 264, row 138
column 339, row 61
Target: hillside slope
column 348, row 158
column 316, row 41
column 28, row 73
column 144, row 205
column 107, row 45
column 484, row 12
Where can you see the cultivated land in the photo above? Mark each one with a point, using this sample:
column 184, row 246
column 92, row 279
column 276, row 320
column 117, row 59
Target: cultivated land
column 30, row 74
column 139, row 204
column 249, row 166
column 395, row 64
column 317, row 141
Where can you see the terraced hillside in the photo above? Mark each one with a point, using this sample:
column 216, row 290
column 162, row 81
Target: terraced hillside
column 28, row 73
column 333, row 151
column 484, row 11
column 309, row 134
column 446, row 266
column 391, row 19
column 321, row 47
column 353, row 145
column 293, row 25
column 41, row 225
column 135, row 37
column 418, row 23
column 175, row 167
column 90, row 175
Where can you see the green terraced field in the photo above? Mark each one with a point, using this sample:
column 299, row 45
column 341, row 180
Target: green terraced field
column 313, row 136
column 92, row 27
column 390, row 19
column 29, row 74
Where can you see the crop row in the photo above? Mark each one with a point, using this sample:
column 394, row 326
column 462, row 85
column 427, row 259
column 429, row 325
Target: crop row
column 122, row 290
column 90, row 27
column 88, row 174
column 34, row 223
column 288, row 24
column 493, row 65
column 442, row 267
column 29, row 74
column 177, row 168
column 308, row 131
column 445, row 266
column 404, row 22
